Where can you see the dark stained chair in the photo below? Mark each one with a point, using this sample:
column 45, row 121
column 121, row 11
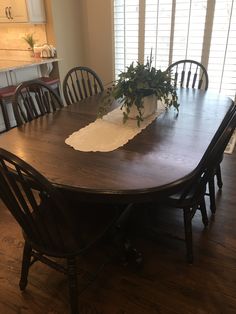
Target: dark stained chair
column 6, row 94
column 217, row 171
column 192, row 74
column 51, row 227
column 190, row 197
column 80, row 83
column 33, row 99
column 189, row 74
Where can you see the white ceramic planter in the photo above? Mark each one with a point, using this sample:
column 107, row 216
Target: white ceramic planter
column 149, row 107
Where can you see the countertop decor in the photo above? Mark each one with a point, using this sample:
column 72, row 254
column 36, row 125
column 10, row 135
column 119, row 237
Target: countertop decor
column 31, row 41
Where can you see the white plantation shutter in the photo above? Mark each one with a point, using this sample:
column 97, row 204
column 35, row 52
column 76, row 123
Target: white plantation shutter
column 158, row 31
column 126, row 27
column 201, row 30
column 222, row 59
column 189, row 25
column 174, row 30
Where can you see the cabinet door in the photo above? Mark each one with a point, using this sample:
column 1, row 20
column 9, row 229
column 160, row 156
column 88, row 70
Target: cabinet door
column 18, row 11
column 36, row 11
column 22, row 11
column 4, row 11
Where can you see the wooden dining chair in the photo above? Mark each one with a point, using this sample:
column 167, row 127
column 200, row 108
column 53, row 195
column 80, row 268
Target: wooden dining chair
column 192, row 74
column 217, row 170
column 51, row 227
column 80, row 83
column 33, row 99
column 191, row 195
column 189, row 74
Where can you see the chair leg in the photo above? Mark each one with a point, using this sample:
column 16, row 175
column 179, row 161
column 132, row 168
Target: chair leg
column 219, row 178
column 211, row 185
column 73, row 285
column 188, row 234
column 5, row 115
column 202, row 208
column 25, row 265
column 56, row 89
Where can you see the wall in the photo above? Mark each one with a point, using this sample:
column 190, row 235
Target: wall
column 66, row 24
column 97, row 30
column 11, row 43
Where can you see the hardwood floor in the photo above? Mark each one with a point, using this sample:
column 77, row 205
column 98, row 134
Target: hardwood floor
column 166, row 283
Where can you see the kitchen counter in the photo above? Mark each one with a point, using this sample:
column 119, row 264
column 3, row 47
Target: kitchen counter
column 8, row 65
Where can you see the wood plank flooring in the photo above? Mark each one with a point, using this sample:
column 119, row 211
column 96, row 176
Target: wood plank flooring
column 165, row 284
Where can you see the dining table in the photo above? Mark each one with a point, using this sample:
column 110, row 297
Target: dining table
column 152, row 164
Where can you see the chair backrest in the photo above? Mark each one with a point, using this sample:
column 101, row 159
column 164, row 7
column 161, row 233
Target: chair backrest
column 37, row 206
column 33, row 99
column 80, row 83
column 223, row 124
column 189, row 74
column 213, row 155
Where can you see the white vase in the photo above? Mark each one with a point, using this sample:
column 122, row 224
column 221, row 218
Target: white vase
column 149, row 107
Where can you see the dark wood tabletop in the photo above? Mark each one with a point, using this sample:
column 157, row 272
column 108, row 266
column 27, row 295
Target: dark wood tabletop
column 165, row 153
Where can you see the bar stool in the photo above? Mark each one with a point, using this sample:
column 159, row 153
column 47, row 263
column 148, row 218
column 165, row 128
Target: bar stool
column 6, row 94
column 54, row 83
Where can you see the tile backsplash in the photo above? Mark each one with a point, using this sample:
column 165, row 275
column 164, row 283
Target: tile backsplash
column 11, row 42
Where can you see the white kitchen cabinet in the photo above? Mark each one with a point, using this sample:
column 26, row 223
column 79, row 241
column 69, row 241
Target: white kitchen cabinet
column 18, row 11
column 4, row 17
column 22, row 11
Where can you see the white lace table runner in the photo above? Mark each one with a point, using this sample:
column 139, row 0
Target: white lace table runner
column 109, row 133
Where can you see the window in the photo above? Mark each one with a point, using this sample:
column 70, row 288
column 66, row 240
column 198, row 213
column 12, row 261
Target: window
column 202, row 30
column 126, row 27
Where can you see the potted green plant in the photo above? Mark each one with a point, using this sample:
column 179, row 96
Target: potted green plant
column 31, row 41
column 137, row 84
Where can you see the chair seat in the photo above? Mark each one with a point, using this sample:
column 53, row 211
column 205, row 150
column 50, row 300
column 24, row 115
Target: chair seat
column 49, row 80
column 54, row 83
column 7, row 91
column 178, row 201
